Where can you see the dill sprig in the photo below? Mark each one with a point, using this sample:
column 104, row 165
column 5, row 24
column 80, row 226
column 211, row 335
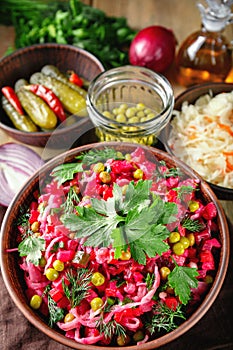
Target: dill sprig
column 23, row 221
column 192, row 225
column 72, row 200
column 55, row 313
column 98, row 155
column 110, row 328
column 79, row 285
column 183, row 190
column 149, row 280
column 168, row 172
column 164, row 318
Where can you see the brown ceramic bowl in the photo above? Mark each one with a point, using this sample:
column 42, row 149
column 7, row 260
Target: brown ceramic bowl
column 191, row 95
column 23, row 63
column 13, row 276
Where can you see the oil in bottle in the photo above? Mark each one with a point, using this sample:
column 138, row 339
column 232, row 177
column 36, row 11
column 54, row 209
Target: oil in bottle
column 206, row 55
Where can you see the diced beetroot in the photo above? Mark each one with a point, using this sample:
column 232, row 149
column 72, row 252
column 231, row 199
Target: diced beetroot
column 70, row 334
column 138, row 155
column 33, row 216
column 83, row 307
column 171, row 302
column 180, row 259
column 33, row 205
column 192, row 253
column 210, row 243
column 207, row 259
column 56, row 294
column 61, row 229
column 91, row 295
column 63, row 302
column 72, row 244
column 119, row 167
column 58, row 282
column 209, row 211
column 204, row 234
column 65, row 255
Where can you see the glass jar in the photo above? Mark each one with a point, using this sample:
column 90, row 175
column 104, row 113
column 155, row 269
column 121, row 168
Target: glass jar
column 130, row 104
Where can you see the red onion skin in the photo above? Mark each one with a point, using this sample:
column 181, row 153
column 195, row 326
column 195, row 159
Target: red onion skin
column 22, row 160
column 153, row 47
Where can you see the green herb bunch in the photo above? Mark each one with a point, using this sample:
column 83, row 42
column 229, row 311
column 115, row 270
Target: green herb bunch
column 69, row 22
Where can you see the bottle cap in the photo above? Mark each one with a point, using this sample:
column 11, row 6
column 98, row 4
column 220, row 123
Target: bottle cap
column 217, row 15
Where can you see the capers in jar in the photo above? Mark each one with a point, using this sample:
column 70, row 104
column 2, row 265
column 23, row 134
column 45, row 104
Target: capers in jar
column 132, row 114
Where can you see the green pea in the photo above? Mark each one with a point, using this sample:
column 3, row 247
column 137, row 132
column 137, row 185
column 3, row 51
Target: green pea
column 36, row 301
column 178, row 248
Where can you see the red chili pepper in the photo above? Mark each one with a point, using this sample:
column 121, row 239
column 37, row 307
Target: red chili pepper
column 75, row 79
column 12, row 97
column 50, row 98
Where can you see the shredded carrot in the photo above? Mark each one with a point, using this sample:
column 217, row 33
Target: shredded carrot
column 227, row 153
column 208, row 119
column 229, row 165
column 192, row 136
column 226, row 128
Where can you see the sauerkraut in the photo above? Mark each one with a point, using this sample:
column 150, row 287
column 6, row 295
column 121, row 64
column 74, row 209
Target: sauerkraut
column 202, row 137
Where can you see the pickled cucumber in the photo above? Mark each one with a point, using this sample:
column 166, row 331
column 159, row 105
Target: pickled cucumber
column 37, row 109
column 54, row 72
column 20, row 122
column 71, row 100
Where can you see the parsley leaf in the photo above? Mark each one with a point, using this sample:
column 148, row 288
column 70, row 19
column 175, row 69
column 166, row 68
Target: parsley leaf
column 182, row 279
column 65, row 172
column 136, row 196
column 132, row 220
column 32, row 247
column 150, row 244
column 93, row 225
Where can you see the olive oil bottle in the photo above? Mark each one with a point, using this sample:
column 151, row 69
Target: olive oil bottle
column 206, row 55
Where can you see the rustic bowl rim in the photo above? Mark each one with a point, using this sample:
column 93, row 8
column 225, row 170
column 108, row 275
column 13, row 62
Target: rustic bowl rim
column 216, row 87
column 206, row 304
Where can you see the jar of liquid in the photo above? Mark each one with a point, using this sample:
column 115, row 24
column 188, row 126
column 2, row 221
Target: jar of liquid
column 206, row 55
column 130, row 104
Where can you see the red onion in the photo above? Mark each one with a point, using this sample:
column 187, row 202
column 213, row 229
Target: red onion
column 17, row 164
column 153, row 47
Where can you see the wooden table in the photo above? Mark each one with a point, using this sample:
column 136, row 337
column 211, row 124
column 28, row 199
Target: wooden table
column 214, row 330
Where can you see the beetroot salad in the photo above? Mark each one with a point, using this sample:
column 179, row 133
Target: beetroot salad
column 117, row 248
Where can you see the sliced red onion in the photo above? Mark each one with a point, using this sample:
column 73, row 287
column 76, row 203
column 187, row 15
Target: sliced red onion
column 17, row 164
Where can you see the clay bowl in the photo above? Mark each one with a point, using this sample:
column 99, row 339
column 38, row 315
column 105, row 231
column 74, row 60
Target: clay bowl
column 13, row 276
column 26, row 61
column 191, row 95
